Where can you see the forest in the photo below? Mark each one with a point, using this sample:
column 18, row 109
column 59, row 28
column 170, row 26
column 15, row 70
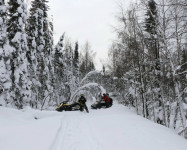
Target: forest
column 146, row 68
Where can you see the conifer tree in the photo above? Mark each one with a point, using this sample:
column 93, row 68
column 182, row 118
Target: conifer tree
column 151, row 27
column 40, row 40
column 69, row 78
column 183, row 75
column 59, row 69
column 41, row 51
column 104, row 70
column 50, row 59
column 87, row 63
column 58, row 58
column 19, row 74
column 152, row 43
column 5, row 55
column 82, row 68
column 76, row 63
column 34, row 34
column 76, row 58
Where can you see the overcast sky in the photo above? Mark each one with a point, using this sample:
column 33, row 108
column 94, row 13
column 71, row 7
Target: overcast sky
column 86, row 20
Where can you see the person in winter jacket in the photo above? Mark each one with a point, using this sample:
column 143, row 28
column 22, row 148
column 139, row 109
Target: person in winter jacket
column 82, row 102
column 106, row 99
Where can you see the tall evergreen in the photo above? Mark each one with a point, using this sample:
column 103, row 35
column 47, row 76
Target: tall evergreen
column 151, row 20
column 41, row 51
column 82, row 68
column 34, row 34
column 58, row 57
column 76, row 62
column 69, row 78
column 40, row 41
column 86, row 61
column 50, row 59
column 20, row 92
column 46, row 77
column 152, row 43
column 5, row 55
column 151, row 27
column 183, row 74
column 59, row 69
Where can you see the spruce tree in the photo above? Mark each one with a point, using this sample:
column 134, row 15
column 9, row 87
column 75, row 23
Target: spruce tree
column 49, row 58
column 19, row 74
column 104, row 70
column 69, row 78
column 82, row 68
column 152, row 42
column 5, row 55
column 76, row 63
column 40, row 40
column 33, row 33
column 183, row 75
column 41, row 51
column 151, row 20
column 151, row 27
column 58, row 58
column 59, row 69
column 87, row 63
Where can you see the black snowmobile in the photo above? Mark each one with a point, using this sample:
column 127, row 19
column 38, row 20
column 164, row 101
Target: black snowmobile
column 64, row 106
column 102, row 104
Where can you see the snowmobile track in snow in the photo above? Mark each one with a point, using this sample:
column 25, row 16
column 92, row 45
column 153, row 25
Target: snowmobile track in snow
column 57, row 137
column 71, row 135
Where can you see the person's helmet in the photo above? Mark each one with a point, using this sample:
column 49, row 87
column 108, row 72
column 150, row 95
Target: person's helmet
column 82, row 95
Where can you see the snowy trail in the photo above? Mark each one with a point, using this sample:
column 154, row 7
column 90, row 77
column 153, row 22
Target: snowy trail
column 116, row 128
column 57, row 137
column 74, row 134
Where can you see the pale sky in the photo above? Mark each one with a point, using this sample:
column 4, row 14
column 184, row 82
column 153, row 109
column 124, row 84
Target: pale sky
column 86, row 20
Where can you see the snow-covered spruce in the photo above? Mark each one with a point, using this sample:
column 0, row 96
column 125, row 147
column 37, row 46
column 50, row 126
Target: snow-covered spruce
column 40, row 56
column 59, row 70
column 20, row 90
column 5, row 56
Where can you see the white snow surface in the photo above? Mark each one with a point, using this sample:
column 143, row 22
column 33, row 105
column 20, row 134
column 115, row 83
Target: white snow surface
column 115, row 128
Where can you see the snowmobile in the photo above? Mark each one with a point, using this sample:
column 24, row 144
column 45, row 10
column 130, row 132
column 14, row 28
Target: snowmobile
column 64, row 106
column 102, row 104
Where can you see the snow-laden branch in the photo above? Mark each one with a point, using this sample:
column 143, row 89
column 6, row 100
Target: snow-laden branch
column 184, row 72
column 89, row 85
column 89, row 74
column 125, row 79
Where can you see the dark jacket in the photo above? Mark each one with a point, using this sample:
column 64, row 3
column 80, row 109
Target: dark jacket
column 82, row 100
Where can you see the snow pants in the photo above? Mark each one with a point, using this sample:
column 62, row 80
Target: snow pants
column 83, row 106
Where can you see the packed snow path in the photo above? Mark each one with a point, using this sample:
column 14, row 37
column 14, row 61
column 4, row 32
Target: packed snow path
column 116, row 128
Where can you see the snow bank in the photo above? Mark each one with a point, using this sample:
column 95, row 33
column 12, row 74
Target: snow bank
column 27, row 129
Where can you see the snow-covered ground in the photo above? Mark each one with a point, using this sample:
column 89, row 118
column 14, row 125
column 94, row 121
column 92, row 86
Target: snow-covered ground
column 116, row 128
